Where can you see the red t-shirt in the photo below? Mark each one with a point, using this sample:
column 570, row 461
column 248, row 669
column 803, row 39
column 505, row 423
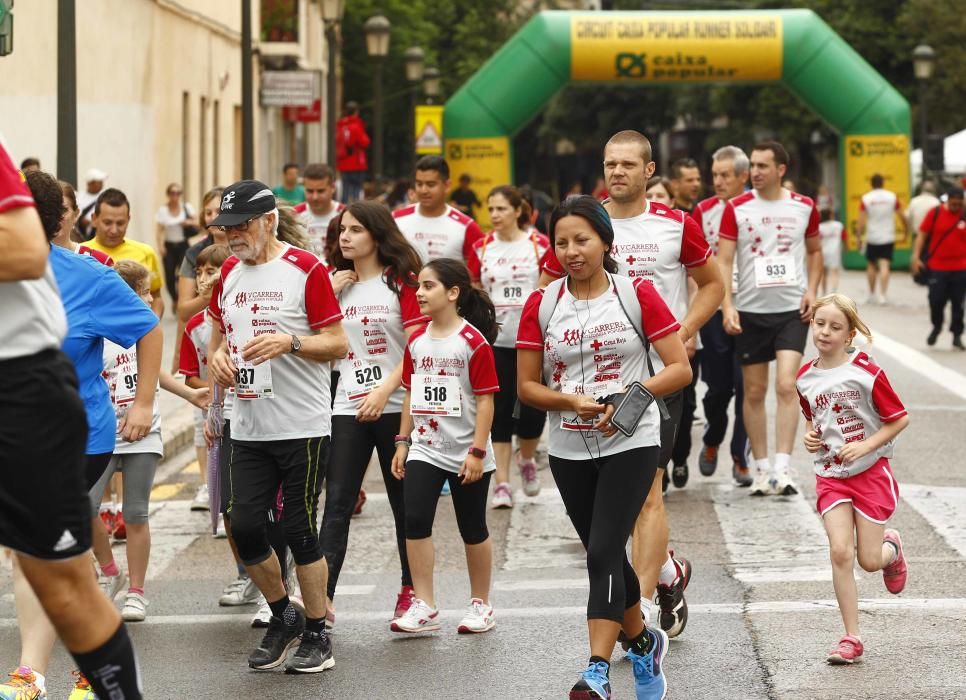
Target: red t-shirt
column 947, row 251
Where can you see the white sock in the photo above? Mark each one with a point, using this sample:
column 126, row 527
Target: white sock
column 782, row 460
column 104, row 508
column 763, row 466
column 646, row 609
column 669, row 572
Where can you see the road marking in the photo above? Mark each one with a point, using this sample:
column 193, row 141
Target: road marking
column 921, row 363
column 541, row 535
column 166, row 492
column 943, row 507
column 556, row 584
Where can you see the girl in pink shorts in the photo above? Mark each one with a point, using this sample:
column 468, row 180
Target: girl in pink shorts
column 852, row 419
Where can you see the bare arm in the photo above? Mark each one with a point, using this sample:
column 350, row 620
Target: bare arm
column 189, row 301
column 136, row 423
column 402, row 450
column 195, row 396
column 23, row 246
column 677, row 370
column 707, row 299
column 814, row 263
column 726, row 261
column 860, row 225
column 157, row 303
column 533, row 392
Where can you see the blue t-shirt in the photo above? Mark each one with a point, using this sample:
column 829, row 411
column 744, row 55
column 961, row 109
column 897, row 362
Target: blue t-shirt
column 99, row 305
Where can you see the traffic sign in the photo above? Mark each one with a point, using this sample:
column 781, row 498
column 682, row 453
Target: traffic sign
column 429, row 129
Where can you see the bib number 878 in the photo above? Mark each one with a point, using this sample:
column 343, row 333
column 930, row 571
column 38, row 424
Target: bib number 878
column 512, row 293
column 434, row 393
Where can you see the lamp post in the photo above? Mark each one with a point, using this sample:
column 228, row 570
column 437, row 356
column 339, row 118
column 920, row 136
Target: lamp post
column 415, row 59
column 332, row 11
column 377, row 30
column 923, row 63
column 431, row 83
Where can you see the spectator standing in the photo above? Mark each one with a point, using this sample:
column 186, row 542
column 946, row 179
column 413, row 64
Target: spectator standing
column 686, row 184
column 351, row 141
column 176, row 222
column 290, row 190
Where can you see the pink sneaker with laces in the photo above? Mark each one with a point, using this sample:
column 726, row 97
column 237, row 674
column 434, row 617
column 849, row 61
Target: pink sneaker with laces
column 404, row 601
column 895, row 574
column 528, row 472
column 848, row 651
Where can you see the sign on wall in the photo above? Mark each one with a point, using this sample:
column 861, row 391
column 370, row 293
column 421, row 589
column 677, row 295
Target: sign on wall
column 295, row 88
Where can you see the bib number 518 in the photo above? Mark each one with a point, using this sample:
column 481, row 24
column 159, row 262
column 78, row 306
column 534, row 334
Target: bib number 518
column 434, row 393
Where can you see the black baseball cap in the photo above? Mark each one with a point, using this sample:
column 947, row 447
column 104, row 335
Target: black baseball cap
column 242, row 201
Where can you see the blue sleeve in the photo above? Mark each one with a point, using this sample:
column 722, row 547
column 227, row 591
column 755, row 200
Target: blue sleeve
column 122, row 316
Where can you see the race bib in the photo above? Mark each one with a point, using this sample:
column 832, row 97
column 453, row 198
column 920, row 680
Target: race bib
column 127, row 384
column 359, row 381
column 598, row 390
column 508, row 294
column 254, row 381
column 435, row 395
column 775, row 271
column 316, row 235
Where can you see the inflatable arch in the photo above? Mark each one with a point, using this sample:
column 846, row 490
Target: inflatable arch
column 793, row 47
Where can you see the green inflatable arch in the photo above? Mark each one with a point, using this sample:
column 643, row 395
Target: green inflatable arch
column 793, row 47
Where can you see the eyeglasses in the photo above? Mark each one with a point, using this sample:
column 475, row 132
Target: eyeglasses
column 242, row 227
column 176, row 193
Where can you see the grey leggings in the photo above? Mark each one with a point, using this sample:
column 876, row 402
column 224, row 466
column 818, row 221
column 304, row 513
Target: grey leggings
column 138, row 469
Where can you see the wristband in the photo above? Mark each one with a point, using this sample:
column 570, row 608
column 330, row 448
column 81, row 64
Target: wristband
column 403, row 440
column 476, row 452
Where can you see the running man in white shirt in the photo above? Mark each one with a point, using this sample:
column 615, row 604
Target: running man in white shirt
column 773, row 234
column 876, row 231
column 319, row 207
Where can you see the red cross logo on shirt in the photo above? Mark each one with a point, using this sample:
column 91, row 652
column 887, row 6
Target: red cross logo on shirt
column 837, row 408
column 442, row 373
column 254, row 308
column 631, row 259
column 421, row 430
column 778, row 228
column 365, row 321
column 351, row 356
column 434, row 424
column 230, row 328
column 596, row 345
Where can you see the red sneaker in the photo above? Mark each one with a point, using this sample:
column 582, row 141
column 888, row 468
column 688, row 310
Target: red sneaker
column 109, row 520
column 848, row 651
column 404, row 601
column 360, row 501
column 895, row 574
column 120, row 529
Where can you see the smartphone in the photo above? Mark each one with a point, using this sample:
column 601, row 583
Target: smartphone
column 629, row 410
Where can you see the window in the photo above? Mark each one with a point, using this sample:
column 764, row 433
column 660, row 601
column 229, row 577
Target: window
column 280, row 20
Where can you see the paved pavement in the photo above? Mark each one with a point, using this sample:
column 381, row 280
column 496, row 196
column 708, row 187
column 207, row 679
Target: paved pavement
column 762, row 609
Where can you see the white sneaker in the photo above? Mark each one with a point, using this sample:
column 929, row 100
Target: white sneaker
column 531, row 481
column 220, row 532
column 263, row 616
column 782, row 485
column 478, row 618
column 134, row 608
column 502, row 496
column 112, row 585
column 200, row 501
column 419, row 618
column 241, row 591
column 881, row 299
column 762, row 485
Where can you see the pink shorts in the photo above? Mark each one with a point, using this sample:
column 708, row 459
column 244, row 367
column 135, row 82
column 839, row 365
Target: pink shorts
column 874, row 494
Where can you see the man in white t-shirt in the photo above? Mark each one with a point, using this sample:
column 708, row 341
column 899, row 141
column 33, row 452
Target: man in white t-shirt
column 876, row 230
column 435, row 229
column 921, row 204
column 773, row 234
column 319, row 207
column 277, row 326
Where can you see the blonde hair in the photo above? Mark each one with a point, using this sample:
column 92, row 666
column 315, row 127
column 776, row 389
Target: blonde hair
column 133, row 273
column 289, row 228
column 849, row 310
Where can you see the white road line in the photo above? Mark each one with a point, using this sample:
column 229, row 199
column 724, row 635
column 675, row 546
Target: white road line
column 356, row 589
column 943, row 507
column 556, row 584
column 541, row 535
column 921, row 364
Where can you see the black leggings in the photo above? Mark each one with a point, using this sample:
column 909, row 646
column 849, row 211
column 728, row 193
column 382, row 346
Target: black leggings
column 603, row 502
column 352, row 445
column 94, row 469
column 423, row 483
column 530, row 423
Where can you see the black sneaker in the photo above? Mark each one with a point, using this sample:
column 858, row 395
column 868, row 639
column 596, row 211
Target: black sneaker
column 708, row 460
column 279, row 639
column 679, row 475
column 674, row 608
column 933, row 337
column 314, row 654
column 958, row 342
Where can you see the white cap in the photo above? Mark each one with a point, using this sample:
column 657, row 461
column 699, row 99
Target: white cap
column 95, row 174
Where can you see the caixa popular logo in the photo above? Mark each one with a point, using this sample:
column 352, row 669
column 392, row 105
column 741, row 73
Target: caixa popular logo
column 631, row 65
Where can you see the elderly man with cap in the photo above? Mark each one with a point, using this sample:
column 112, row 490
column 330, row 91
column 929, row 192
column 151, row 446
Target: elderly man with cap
column 277, row 324
column 87, row 199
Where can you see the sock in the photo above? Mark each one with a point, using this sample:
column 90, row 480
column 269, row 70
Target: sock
column 642, row 645
column 315, row 625
column 895, row 552
column 782, row 460
column 669, row 572
column 763, row 466
column 646, row 604
column 110, row 569
column 241, row 570
column 105, row 507
column 112, row 668
column 133, row 589
column 599, row 659
column 283, row 610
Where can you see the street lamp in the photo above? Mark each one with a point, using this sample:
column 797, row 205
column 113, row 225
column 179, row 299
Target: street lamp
column 377, row 30
column 923, row 63
column 415, row 59
column 431, row 83
column 332, row 11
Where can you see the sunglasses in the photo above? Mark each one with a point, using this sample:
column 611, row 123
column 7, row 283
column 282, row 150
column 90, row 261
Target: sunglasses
column 242, row 227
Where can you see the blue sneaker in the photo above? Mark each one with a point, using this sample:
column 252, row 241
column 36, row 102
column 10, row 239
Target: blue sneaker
column 649, row 679
column 593, row 684
column 446, row 489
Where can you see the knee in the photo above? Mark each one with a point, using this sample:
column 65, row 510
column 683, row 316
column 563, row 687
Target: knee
column 419, row 526
column 599, row 561
column 136, row 512
column 304, row 546
column 842, row 555
column 250, row 535
column 870, row 561
column 476, row 533
column 755, row 392
column 785, row 389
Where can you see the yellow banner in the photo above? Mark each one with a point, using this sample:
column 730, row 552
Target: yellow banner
column 865, row 156
column 676, row 47
column 429, row 129
column 486, row 161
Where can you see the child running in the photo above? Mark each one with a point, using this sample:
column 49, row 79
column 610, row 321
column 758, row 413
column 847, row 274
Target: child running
column 852, row 419
column 450, row 378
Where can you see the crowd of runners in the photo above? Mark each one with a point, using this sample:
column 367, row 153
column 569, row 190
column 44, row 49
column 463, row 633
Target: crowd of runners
column 311, row 337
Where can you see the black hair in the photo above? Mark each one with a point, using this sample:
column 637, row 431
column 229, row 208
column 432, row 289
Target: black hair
column 437, row 163
column 827, row 215
column 49, row 199
column 877, row 181
column 112, row 197
column 29, row 163
column 593, row 212
column 318, row 171
column 472, row 304
column 289, row 165
column 516, row 200
column 680, row 164
column 777, row 150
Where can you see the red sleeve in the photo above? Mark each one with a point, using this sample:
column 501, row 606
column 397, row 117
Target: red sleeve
column 214, row 306
column 806, row 408
column 657, row 318
column 898, row 205
column 813, row 221
column 698, row 217
column 474, row 264
column 728, row 228
column 695, row 250
column 861, row 205
column 529, row 332
column 483, row 371
column 14, row 192
column 886, row 401
column 407, row 368
column 411, row 315
column 471, row 235
column 188, row 359
column 360, row 138
column 321, row 306
column 551, row 265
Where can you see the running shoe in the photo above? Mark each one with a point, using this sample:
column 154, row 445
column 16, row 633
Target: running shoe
column 674, row 608
column 741, row 475
column 708, row 460
column 665, row 480
column 848, row 651
column 200, row 501
column 82, row 688
column 241, row 591
column 593, row 683
column 528, row 471
column 263, row 617
column 419, row 618
column 108, row 518
column 360, row 501
column 276, row 644
column 679, row 475
column 933, row 337
column 502, row 496
column 314, row 654
column 446, row 490
column 134, row 609
column 478, row 618
column 22, row 686
column 404, row 601
column 111, row 585
column 762, row 485
column 220, row 532
column 781, row 484
column 894, row 575
column 649, row 680
column 958, row 342
column 120, row 529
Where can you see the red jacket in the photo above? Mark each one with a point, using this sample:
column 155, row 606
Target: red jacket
column 351, row 141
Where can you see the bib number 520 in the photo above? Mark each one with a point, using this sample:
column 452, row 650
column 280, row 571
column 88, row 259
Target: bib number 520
column 367, row 375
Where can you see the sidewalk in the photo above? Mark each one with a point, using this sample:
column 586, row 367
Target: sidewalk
column 177, row 420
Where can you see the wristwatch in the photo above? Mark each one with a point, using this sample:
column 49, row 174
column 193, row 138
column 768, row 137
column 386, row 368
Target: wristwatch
column 476, row 452
column 296, row 344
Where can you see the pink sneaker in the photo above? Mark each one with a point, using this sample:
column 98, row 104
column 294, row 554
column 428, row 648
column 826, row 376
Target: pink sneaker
column 404, row 601
column 848, row 651
column 895, row 574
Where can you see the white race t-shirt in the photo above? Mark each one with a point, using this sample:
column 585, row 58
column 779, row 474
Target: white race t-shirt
column 374, row 321
column 708, row 216
column 316, row 227
column 831, row 233
column 287, row 397
column 590, row 347
column 450, row 235
column 193, row 358
column 847, row 403
column 881, row 207
column 770, row 249
column 121, row 374
column 508, row 271
column 436, row 371
column 172, row 223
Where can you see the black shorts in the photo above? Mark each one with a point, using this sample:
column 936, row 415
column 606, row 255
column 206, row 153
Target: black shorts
column 44, row 509
column 762, row 335
column 510, row 416
column 879, row 251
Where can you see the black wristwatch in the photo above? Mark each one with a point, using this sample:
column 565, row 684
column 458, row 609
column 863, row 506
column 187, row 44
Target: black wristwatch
column 296, row 344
